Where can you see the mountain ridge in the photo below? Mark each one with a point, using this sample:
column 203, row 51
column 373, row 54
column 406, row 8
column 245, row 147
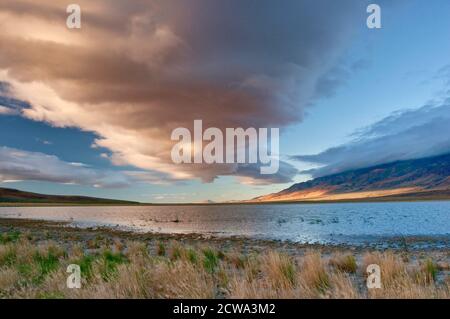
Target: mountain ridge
column 415, row 176
column 11, row 196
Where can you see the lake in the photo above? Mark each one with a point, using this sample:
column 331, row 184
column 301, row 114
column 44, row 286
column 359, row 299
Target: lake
column 354, row 223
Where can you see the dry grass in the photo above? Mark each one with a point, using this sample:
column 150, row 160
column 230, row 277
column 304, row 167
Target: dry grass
column 133, row 270
column 9, row 278
column 344, row 263
column 279, row 269
column 314, row 278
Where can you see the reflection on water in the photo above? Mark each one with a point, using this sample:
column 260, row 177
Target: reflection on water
column 325, row 223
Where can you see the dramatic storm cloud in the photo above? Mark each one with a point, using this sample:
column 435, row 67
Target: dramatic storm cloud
column 138, row 69
column 404, row 135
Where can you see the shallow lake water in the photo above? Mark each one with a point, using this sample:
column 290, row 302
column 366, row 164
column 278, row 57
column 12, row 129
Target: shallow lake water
column 354, row 223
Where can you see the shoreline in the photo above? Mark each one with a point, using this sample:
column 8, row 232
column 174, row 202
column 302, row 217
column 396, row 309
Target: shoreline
column 58, row 230
column 383, row 199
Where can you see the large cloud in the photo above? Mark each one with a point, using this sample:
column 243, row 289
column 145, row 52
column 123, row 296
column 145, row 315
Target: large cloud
column 404, row 135
column 138, row 69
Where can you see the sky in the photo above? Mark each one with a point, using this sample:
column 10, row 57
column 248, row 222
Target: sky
column 90, row 111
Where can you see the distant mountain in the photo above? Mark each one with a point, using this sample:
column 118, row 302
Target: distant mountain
column 16, row 196
column 426, row 178
column 207, row 201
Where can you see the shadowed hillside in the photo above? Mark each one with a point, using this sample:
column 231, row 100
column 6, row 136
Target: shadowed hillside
column 15, row 196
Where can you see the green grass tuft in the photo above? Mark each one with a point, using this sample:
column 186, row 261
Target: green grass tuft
column 9, row 257
column 161, row 249
column 431, row 270
column 9, row 237
column 288, row 271
column 109, row 264
column 192, row 256
column 51, row 295
column 345, row 263
column 46, row 264
column 210, row 260
column 86, row 266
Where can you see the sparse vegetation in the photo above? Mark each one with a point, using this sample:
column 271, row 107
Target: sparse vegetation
column 31, row 268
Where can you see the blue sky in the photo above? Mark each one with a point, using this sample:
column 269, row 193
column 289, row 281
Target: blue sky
column 374, row 73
